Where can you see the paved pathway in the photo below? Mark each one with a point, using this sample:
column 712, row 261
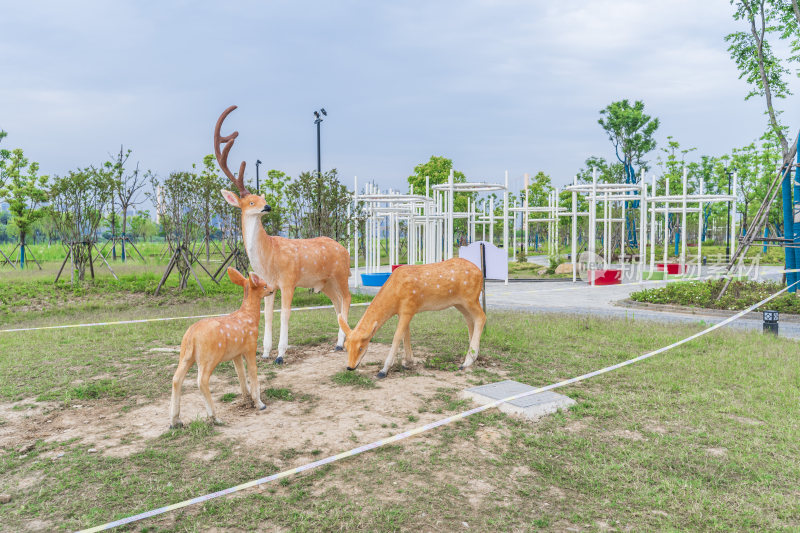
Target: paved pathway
column 581, row 299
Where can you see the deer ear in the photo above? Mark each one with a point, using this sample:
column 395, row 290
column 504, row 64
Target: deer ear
column 230, row 197
column 256, row 280
column 236, row 276
column 344, row 326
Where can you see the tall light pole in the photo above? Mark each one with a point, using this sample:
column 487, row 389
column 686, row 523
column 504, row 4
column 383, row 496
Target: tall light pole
column 318, row 121
column 258, row 185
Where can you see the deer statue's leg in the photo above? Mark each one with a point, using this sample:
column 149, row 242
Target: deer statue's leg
column 269, row 307
column 203, row 377
column 402, row 326
column 408, row 360
column 177, row 384
column 238, row 362
column 479, row 320
column 467, row 318
column 341, row 305
column 252, row 371
column 286, row 310
column 344, row 290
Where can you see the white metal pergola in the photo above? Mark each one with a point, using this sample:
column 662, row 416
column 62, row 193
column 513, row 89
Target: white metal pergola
column 681, row 203
column 429, row 221
column 609, row 195
column 552, row 213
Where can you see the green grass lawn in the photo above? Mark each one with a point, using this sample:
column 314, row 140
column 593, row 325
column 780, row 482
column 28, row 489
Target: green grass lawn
column 702, row 437
column 32, row 298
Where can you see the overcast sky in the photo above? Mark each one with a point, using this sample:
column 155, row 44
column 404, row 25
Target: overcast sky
column 492, row 85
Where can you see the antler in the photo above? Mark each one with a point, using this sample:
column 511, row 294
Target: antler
column 222, row 158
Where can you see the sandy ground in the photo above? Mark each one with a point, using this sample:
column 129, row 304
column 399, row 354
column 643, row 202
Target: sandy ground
column 331, row 418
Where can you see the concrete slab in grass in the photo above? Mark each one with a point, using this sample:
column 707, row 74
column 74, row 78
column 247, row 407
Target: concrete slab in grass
column 531, row 407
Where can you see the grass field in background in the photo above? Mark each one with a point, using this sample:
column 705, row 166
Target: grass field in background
column 702, row 437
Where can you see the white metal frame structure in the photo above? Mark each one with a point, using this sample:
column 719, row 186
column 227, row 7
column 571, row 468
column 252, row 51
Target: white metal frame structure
column 679, row 203
column 429, row 222
column 552, row 212
column 609, row 194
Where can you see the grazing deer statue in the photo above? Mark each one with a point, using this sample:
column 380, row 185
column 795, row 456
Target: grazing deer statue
column 409, row 290
column 214, row 340
column 321, row 263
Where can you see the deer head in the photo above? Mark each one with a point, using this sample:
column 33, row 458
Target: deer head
column 356, row 341
column 250, row 204
column 252, row 284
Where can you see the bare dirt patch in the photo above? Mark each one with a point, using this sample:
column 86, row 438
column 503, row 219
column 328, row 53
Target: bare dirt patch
column 628, row 434
column 745, row 420
column 330, row 418
column 717, row 452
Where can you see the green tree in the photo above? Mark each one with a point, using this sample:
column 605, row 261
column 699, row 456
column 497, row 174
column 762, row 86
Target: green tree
column 25, row 191
column 209, row 183
column 755, row 167
column 756, row 58
column 631, row 132
column 317, row 206
column 77, row 203
column 5, row 155
column 606, row 172
column 142, row 226
column 273, row 188
column 437, row 168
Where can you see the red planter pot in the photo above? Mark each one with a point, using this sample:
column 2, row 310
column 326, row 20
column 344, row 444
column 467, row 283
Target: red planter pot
column 672, row 268
column 610, row 276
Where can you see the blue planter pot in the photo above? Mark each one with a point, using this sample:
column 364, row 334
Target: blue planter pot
column 375, row 280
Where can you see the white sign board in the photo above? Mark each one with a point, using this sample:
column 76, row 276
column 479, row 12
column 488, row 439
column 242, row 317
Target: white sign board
column 496, row 259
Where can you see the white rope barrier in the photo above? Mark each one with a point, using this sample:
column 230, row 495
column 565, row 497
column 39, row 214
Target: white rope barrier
column 166, row 319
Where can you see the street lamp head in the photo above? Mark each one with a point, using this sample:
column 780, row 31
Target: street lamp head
column 316, row 114
column 258, row 161
column 324, row 112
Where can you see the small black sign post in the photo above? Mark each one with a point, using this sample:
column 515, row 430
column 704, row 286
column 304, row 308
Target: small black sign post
column 771, row 322
column 483, row 271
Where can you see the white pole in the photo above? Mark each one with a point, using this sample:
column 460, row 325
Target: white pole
column 622, row 239
column 450, row 207
column 666, row 226
column 653, row 228
column 491, row 220
column 606, row 231
column 592, row 225
column 642, row 229
column 525, row 216
column 505, row 222
column 683, row 220
column 573, row 256
column 700, row 232
column 355, row 233
column 734, row 237
column 470, row 222
column 428, row 239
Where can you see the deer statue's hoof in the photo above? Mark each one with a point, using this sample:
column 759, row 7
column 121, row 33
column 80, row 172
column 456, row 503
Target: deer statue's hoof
column 338, row 349
column 461, row 367
column 278, row 360
column 265, row 355
column 262, row 407
column 176, row 425
column 381, row 374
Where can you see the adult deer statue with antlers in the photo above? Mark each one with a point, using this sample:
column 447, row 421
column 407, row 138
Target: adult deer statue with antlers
column 320, row 263
column 412, row 289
